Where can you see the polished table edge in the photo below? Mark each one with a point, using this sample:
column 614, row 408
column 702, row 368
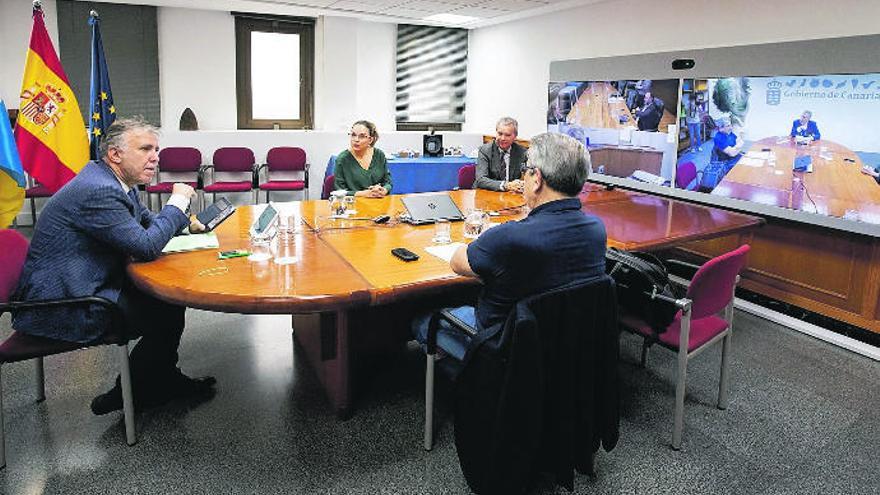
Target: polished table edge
column 371, row 295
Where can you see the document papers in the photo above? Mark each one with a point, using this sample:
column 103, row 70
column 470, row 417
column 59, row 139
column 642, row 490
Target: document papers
column 445, row 251
column 192, row 242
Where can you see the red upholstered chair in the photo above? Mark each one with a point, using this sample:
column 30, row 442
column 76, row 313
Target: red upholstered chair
column 182, row 160
column 285, row 159
column 705, row 318
column 466, row 176
column 328, row 186
column 685, row 174
column 34, row 191
column 232, row 160
column 20, row 346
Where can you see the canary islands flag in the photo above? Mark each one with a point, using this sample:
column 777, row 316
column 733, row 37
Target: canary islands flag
column 51, row 135
column 12, row 180
column 103, row 111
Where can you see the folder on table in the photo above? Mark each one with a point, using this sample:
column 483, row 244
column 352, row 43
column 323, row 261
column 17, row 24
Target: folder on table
column 192, row 242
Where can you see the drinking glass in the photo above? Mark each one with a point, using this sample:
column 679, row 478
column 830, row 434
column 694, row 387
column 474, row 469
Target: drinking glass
column 442, row 229
column 474, row 223
column 349, row 205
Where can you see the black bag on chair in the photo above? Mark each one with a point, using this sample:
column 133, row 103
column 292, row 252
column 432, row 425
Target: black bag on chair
column 640, row 276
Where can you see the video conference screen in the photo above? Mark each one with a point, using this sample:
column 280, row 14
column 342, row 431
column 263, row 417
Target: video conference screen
column 804, row 143
column 630, row 126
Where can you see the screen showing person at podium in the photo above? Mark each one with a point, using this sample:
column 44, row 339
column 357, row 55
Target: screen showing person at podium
column 628, row 125
column 800, row 142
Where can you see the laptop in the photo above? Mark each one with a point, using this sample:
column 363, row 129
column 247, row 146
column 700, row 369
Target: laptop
column 427, row 208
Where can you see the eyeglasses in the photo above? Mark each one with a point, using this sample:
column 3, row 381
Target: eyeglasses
column 358, row 137
column 526, row 166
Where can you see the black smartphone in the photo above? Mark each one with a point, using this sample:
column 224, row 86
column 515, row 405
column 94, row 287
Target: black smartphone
column 404, row 254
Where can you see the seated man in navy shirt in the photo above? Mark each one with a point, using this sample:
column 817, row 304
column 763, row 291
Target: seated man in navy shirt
column 805, row 128
column 727, row 146
column 555, row 246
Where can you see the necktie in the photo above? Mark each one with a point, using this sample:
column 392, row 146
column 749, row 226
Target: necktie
column 133, row 196
column 505, row 156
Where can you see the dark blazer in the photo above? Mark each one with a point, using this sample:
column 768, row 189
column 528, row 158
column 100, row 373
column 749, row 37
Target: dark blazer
column 490, row 166
column 83, row 239
column 540, row 394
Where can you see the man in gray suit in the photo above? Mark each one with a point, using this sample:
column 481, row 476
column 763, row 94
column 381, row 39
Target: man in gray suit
column 499, row 162
column 83, row 239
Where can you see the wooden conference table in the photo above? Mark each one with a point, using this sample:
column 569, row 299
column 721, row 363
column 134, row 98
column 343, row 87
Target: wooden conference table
column 765, row 174
column 345, row 268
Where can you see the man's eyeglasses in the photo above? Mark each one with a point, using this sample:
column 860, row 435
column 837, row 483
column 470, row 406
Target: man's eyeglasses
column 526, row 166
column 358, row 137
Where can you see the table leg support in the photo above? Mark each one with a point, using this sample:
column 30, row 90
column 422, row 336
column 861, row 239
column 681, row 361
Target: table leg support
column 324, row 339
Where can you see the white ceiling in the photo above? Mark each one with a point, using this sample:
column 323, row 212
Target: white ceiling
column 484, row 12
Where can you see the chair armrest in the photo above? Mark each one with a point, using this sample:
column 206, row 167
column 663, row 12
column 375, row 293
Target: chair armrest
column 306, row 176
column 434, row 327
column 115, row 311
column 257, row 170
column 201, row 177
column 255, row 176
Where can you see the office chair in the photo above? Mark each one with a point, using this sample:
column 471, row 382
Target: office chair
column 685, row 175
column 697, row 325
column 328, row 186
column 21, row 347
column 179, row 160
column 466, row 176
column 285, row 159
column 35, row 190
column 232, row 160
column 538, row 393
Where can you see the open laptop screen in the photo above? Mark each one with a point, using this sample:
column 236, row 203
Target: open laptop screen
column 427, row 208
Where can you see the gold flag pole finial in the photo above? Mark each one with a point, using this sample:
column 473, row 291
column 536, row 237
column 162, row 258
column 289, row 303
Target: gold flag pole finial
column 38, row 5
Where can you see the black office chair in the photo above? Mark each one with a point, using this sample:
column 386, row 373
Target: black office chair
column 539, row 393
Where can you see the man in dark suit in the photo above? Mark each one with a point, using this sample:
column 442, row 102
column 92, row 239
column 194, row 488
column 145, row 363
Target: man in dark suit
column 84, row 237
column 649, row 114
column 498, row 162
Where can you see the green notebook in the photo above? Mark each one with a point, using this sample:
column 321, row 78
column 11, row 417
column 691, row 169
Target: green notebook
column 192, row 242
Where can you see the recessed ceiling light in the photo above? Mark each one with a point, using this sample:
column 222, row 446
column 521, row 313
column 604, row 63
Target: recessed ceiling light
column 450, row 19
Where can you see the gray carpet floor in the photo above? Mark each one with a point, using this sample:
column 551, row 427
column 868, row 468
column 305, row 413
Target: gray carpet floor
column 803, row 419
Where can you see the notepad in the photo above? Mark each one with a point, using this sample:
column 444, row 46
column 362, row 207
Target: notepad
column 191, row 242
column 445, row 251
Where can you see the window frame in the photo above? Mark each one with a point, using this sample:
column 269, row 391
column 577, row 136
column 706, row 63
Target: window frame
column 245, row 24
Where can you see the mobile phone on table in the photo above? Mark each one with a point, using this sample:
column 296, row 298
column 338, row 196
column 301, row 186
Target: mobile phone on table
column 404, row 254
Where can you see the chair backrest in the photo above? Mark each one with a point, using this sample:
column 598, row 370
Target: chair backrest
column 328, row 186
column 286, row 158
column 712, row 286
column 182, row 159
column 555, row 395
column 233, row 160
column 466, row 176
column 685, row 174
column 13, row 251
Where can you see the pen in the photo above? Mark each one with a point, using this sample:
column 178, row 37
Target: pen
column 238, row 253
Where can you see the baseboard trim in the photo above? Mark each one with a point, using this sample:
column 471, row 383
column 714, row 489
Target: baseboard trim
column 815, row 331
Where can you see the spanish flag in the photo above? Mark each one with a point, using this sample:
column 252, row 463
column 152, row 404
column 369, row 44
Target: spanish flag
column 51, row 135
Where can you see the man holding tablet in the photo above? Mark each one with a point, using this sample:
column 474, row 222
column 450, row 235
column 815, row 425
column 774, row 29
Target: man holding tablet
column 83, row 239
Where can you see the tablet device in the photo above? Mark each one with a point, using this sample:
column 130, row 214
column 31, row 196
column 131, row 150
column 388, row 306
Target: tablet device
column 214, row 215
column 264, row 226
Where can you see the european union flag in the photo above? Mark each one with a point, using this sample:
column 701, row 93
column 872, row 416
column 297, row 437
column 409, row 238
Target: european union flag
column 103, row 112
